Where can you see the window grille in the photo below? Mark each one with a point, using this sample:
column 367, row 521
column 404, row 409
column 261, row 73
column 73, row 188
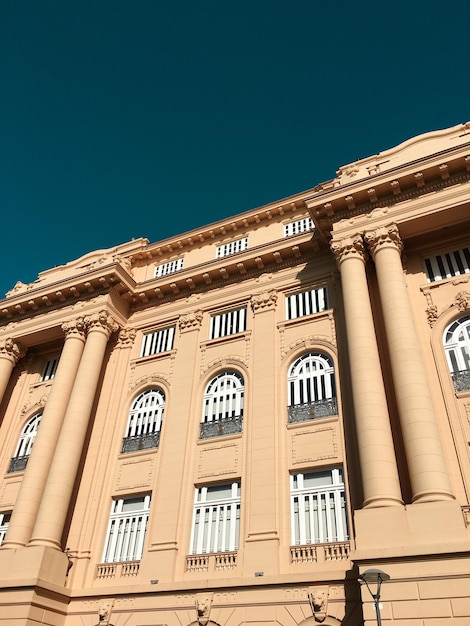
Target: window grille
column 4, row 521
column 448, row 264
column 158, row 341
column 311, row 387
column 232, row 247
column 50, row 369
column 318, row 507
column 216, row 519
column 145, row 420
column 306, row 303
column 168, row 268
column 457, row 350
column 223, row 405
column 25, row 444
column 228, row 323
column 299, row 226
column 126, row 529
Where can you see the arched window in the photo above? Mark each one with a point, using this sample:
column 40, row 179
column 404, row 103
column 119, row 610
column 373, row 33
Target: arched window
column 145, row 421
column 311, row 387
column 25, row 443
column 457, row 349
column 223, row 405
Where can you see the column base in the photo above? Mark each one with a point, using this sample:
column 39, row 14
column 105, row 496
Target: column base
column 25, row 566
column 386, row 501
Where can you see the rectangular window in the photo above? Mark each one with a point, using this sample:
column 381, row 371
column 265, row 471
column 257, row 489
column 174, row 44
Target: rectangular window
column 168, row 268
column 306, row 303
column 318, row 507
column 228, row 323
column 299, row 226
column 216, row 519
column 232, row 247
column 50, row 369
column 448, row 264
column 126, row 530
column 158, row 341
column 4, row 521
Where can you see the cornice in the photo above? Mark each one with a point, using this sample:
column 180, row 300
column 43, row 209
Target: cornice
column 405, row 182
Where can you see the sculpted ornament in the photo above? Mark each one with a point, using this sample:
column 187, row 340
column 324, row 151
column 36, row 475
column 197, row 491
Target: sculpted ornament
column 318, row 599
column 190, row 321
column 11, row 349
column 102, row 319
column 264, row 301
column 462, row 300
column 386, row 236
column 348, row 247
column 126, row 337
column 432, row 314
column 75, row 328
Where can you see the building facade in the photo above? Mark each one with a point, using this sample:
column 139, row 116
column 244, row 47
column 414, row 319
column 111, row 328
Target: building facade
column 230, row 426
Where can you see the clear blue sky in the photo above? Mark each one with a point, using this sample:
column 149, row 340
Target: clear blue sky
column 145, row 118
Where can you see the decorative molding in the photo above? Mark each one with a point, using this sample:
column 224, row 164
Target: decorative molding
column 149, row 380
column 348, row 247
column 311, row 342
column 432, row 314
column 385, row 236
column 75, row 328
column 225, row 362
column 190, row 321
column 102, row 320
column 265, row 301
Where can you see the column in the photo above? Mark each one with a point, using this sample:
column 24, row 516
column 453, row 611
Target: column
column 10, row 352
column 426, row 463
column 63, row 471
column 35, row 476
column 376, row 450
column 260, row 491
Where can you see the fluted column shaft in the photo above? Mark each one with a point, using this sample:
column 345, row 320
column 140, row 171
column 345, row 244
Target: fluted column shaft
column 10, row 352
column 54, row 506
column 35, row 476
column 376, row 450
column 426, row 463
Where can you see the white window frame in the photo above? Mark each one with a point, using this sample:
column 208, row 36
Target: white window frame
column 224, row 397
column 50, row 369
column 232, row 247
column 228, row 323
column 457, row 345
column 145, row 416
column 298, row 226
column 158, row 341
column 126, row 531
column 447, row 264
column 168, row 268
column 4, row 522
column 318, row 513
column 311, row 378
column 216, row 520
column 306, row 302
column 27, row 437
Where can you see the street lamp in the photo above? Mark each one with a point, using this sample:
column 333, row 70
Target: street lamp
column 376, row 576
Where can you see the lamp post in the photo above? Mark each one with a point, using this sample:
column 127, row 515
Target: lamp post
column 376, row 576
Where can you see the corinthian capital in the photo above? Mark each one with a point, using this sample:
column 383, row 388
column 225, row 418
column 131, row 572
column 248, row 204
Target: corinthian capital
column 75, row 328
column 101, row 321
column 190, row 321
column 348, row 247
column 264, row 301
column 383, row 237
column 11, row 349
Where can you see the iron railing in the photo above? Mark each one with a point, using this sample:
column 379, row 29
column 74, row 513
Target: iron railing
column 226, row 426
column 312, row 410
column 140, row 442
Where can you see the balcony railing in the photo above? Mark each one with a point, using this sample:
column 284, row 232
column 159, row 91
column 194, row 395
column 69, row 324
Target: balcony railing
column 461, row 380
column 312, row 410
column 204, row 562
column 108, row 571
column 227, row 426
column 18, row 464
column 320, row 552
column 141, row 442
